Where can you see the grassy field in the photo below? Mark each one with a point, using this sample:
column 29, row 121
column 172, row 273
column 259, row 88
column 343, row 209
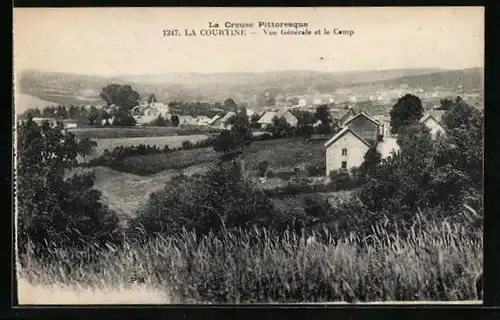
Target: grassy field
column 126, row 192
column 172, row 141
column 105, row 132
column 435, row 263
column 281, row 154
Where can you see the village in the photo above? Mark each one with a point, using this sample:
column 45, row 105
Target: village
column 356, row 128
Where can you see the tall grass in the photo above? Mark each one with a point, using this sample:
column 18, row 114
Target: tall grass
column 435, row 263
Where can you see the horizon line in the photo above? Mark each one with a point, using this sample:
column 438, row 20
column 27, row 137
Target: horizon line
column 244, row 72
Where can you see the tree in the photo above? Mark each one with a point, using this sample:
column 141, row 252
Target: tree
column 93, row 115
column 123, row 118
column 85, row 147
column 241, row 128
column 160, row 121
column 254, row 120
column 280, row 128
column 151, row 98
column 407, row 110
column 415, row 138
column 445, row 104
column 372, row 159
column 304, row 124
column 175, row 120
column 220, row 200
column 323, row 114
column 121, row 95
column 230, row 105
column 54, row 210
column 224, row 142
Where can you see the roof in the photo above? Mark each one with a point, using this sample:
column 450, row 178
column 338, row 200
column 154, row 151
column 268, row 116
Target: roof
column 343, row 131
column 434, row 114
column 267, row 117
column 215, row 118
column 228, row 115
column 437, row 114
column 185, row 118
column 362, row 113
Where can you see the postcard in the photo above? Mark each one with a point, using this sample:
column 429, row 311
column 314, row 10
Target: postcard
column 325, row 155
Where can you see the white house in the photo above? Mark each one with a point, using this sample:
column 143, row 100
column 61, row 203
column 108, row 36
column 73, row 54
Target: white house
column 69, row 123
column 186, row 120
column 345, row 150
column 432, row 120
column 267, row 118
column 222, row 122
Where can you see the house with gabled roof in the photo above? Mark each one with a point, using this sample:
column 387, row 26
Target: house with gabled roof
column 345, row 150
column 267, row 118
column 365, row 126
column 351, row 112
column 433, row 121
column 222, row 122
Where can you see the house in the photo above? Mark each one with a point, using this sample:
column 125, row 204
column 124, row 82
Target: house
column 365, row 126
column 385, row 125
column 433, row 121
column 52, row 122
column 288, row 116
column 144, row 119
column 185, row 120
column 110, row 121
column 69, row 123
column 221, row 122
column 214, row 118
column 351, row 112
column 345, row 150
column 267, row 118
column 202, row 120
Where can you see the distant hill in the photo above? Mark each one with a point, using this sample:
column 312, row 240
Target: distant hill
column 471, row 79
column 65, row 88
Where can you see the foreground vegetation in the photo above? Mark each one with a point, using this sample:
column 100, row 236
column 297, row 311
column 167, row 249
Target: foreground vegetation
column 435, row 262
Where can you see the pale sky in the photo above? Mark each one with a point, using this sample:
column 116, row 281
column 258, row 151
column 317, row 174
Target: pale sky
column 112, row 41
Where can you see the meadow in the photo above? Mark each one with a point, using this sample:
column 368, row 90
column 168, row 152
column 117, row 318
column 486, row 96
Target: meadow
column 160, row 142
column 281, row 154
column 435, row 261
column 109, row 132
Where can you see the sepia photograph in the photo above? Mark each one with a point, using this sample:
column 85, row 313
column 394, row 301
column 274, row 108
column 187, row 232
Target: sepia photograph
column 329, row 155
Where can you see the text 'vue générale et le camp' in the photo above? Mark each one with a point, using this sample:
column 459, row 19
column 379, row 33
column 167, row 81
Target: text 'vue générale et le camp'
column 228, row 28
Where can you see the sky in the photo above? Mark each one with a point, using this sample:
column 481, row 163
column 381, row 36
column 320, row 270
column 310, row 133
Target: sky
column 114, row 41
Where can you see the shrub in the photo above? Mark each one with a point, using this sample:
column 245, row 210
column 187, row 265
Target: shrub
column 221, row 200
column 186, row 145
column 262, row 168
column 316, row 170
column 270, row 174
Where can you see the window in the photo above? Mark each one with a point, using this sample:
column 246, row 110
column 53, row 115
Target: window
column 344, row 152
column 344, row 164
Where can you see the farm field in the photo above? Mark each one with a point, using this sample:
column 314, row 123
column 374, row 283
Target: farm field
column 282, row 155
column 172, row 141
column 105, row 132
column 125, row 192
